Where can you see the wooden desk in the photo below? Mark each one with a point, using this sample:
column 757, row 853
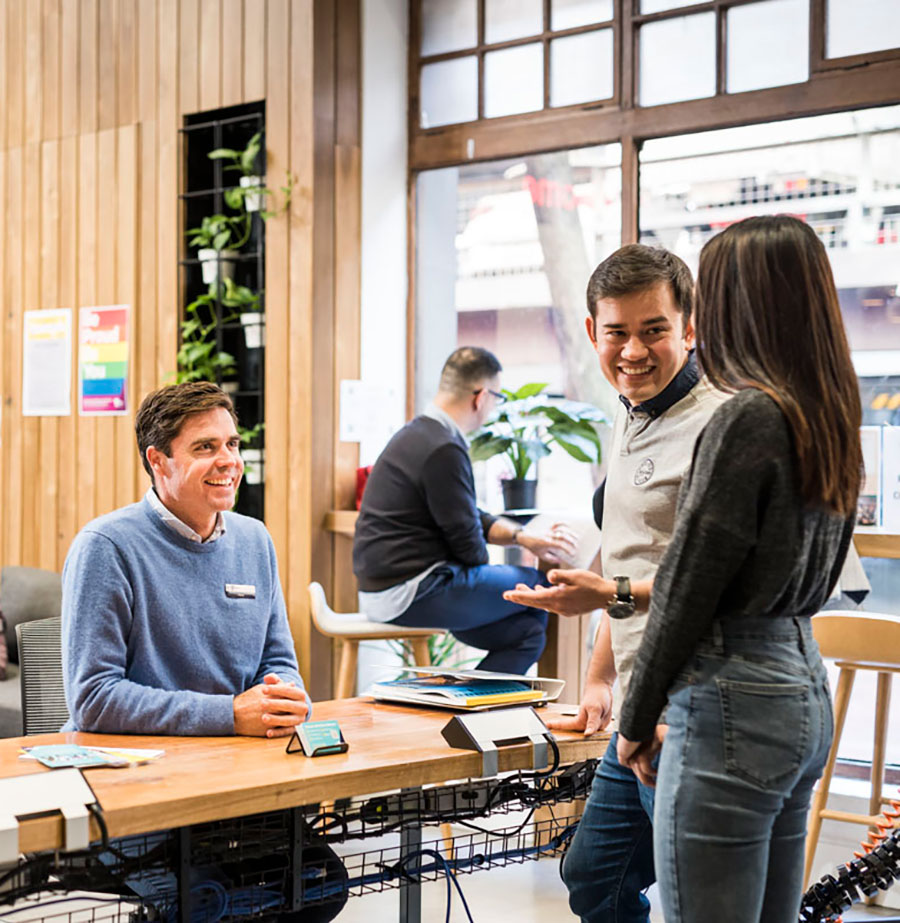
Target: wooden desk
column 205, row 779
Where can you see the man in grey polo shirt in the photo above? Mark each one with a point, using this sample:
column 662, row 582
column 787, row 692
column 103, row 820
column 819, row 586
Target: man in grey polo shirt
column 640, row 301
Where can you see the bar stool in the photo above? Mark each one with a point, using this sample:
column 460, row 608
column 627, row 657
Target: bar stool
column 350, row 628
column 856, row 641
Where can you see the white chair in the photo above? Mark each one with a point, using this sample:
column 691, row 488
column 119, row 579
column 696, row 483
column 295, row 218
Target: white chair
column 350, row 628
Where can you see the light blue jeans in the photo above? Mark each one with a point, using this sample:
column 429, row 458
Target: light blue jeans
column 750, row 724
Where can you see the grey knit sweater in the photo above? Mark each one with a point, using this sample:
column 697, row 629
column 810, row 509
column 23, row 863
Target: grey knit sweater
column 744, row 545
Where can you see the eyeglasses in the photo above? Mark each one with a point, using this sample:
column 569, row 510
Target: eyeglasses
column 501, row 398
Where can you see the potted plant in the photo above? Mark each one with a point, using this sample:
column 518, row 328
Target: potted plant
column 251, row 191
column 245, row 303
column 198, row 358
column 252, row 453
column 218, row 239
column 525, row 426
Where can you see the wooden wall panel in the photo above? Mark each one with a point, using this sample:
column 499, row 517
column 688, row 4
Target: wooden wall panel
column 95, row 92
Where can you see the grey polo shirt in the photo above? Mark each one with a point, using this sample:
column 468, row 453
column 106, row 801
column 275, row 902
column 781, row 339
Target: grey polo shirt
column 650, row 454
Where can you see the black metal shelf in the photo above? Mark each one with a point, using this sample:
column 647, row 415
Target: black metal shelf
column 207, row 179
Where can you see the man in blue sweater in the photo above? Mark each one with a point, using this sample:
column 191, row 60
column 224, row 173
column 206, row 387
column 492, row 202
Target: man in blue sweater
column 173, row 618
column 420, row 548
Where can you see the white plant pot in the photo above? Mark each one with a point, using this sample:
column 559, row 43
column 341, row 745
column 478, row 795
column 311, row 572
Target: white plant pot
column 252, row 200
column 216, row 264
column 253, row 465
column 230, row 387
column 254, row 329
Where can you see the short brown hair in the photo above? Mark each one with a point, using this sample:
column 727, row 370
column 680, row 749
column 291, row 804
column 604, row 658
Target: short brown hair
column 768, row 317
column 636, row 267
column 468, row 367
column 162, row 414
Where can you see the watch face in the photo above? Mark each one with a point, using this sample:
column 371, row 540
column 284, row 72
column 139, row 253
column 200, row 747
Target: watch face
column 620, row 610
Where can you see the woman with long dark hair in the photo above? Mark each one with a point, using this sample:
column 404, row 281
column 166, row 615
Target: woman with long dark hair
column 765, row 518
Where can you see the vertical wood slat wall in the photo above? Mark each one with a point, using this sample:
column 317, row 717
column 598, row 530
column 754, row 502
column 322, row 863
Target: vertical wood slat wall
column 94, row 95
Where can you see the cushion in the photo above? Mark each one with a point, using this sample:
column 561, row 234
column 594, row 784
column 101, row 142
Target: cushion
column 4, row 657
column 26, row 594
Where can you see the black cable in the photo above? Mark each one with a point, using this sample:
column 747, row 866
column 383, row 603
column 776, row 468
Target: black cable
column 97, row 811
column 829, row 897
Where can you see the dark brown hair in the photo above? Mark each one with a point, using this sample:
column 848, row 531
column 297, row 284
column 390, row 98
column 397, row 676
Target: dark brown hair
column 768, row 317
column 468, row 367
column 636, row 267
column 162, row 414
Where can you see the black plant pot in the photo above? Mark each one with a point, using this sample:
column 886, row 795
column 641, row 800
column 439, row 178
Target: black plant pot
column 519, row 493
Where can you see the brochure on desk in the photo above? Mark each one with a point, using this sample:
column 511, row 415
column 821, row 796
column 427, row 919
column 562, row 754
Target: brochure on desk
column 466, row 690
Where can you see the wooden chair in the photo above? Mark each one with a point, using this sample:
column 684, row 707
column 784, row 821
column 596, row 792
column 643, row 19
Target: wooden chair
column 351, row 628
column 856, row 641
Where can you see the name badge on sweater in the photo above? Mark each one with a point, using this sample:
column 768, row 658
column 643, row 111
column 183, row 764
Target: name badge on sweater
column 240, row 591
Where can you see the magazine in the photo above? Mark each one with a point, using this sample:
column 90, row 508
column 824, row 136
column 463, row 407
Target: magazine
column 470, row 690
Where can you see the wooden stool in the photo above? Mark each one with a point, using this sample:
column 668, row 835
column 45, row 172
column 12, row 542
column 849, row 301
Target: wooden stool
column 351, row 628
column 856, row 641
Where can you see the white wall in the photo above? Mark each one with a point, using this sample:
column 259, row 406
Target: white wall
column 384, row 232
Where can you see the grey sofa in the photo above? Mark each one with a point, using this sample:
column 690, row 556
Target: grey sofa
column 26, row 594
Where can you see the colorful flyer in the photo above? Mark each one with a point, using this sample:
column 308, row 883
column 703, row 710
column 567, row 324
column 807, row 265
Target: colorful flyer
column 868, row 507
column 103, row 361
column 47, row 363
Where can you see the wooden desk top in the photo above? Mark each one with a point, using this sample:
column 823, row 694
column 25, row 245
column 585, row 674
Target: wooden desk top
column 211, row 778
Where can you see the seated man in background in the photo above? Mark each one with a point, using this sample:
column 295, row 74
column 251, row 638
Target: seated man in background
column 420, row 549
column 173, row 618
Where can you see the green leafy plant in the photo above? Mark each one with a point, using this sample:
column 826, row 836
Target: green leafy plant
column 244, row 162
column 443, row 650
column 250, row 434
column 239, row 298
column 221, row 232
column 529, row 422
column 198, row 358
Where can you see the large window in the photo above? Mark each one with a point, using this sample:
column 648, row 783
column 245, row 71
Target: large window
column 814, row 86
column 503, row 252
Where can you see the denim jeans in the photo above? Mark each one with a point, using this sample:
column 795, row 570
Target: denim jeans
column 468, row 601
column 610, row 862
column 750, row 725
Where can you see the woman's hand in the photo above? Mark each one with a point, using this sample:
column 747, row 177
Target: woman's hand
column 638, row 756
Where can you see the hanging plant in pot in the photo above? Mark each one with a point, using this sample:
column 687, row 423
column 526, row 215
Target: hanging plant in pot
column 252, row 191
column 199, row 359
column 244, row 302
column 524, row 428
column 218, row 239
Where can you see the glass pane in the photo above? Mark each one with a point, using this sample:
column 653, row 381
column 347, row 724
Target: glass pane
column 581, row 68
column 658, row 6
column 678, row 59
column 568, row 14
column 514, row 80
column 449, row 92
column 448, row 25
column 768, row 45
column 503, row 253
column 506, row 19
column 858, row 26
column 841, row 173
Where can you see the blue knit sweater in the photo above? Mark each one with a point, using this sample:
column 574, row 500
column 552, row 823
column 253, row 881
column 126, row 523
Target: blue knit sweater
column 151, row 642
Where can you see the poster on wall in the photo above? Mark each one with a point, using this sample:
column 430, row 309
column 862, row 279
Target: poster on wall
column 868, row 507
column 47, row 363
column 103, row 360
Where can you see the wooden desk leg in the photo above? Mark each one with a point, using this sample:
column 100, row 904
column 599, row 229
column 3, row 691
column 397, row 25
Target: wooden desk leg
column 410, row 889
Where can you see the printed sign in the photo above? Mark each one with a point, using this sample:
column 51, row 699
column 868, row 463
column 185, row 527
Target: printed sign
column 103, row 361
column 47, row 363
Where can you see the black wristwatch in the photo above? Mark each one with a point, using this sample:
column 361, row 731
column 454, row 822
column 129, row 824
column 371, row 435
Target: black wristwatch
column 622, row 605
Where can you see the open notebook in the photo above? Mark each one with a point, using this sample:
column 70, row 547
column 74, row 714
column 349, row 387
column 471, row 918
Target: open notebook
column 466, row 690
